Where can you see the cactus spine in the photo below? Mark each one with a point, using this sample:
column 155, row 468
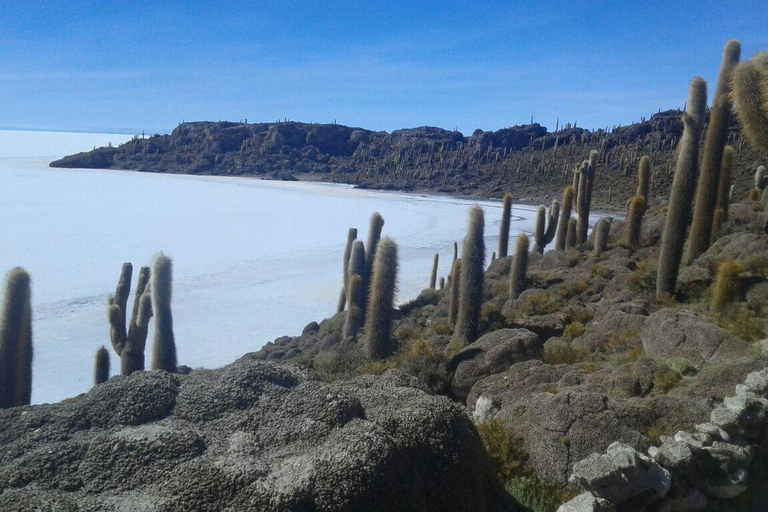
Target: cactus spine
column 378, row 327
column 351, row 237
column 681, row 194
column 643, row 177
column 16, row 341
column 433, row 276
column 712, row 156
column 570, row 237
column 101, row 367
column 602, row 229
column 506, row 217
column 471, row 283
column 750, row 90
column 130, row 344
column 635, row 221
column 518, row 275
column 453, row 310
column 565, row 215
column 164, row 346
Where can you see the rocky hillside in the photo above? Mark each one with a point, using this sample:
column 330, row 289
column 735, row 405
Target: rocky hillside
column 528, row 161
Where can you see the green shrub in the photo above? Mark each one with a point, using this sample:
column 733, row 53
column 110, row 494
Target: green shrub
column 539, row 303
column 563, row 353
column 623, row 347
column 666, row 381
column 441, row 326
column 741, row 321
column 505, row 451
column 573, row 330
column 540, row 495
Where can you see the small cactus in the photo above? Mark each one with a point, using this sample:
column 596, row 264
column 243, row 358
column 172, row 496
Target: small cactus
column 570, row 237
column 681, row 194
column 727, row 285
column 471, row 284
column 453, row 310
column 16, row 341
column 565, row 215
column 164, row 346
column 761, row 179
column 101, row 367
column 518, row 279
column 378, row 326
column 602, row 229
column 506, row 217
column 433, row 275
column 634, row 221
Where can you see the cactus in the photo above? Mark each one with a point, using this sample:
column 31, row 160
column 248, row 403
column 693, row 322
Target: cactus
column 635, row 221
column 101, row 367
column 761, row 180
column 541, row 226
column 750, row 90
column 16, row 341
column 378, row 326
column 130, row 344
column 727, row 285
column 576, row 183
column 681, row 194
column 724, row 185
column 565, row 215
column 754, row 195
column 570, row 237
column 433, row 275
column 506, row 217
column 351, row 237
column 471, row 284
column 546, row 225
column 455, row 251
column 453, row 310
column 374, row 235
column 518, row 274
column 584, row 196
column 717, row 220
column 355, row 297
column 643, row 177
column 442, row 283
column 712, row 155
column 164, row 346
column 602, row 229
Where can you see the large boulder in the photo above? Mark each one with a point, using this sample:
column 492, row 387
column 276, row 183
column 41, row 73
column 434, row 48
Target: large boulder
column 253, row 435
column 493, row 353
column 676, row 333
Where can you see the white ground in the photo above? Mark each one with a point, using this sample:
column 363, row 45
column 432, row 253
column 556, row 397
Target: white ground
column 253, row 260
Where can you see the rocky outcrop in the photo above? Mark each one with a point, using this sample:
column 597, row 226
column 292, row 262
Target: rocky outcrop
column 253, row 435
column 708, row 469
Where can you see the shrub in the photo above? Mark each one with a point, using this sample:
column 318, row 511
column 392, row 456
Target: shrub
column 332, row 366
column 549, row 388
column 540, row 495
column 582, row 315
column 741, row 321
column 573, row 288
column 505, row 451
column 602, row 271
column 623, row 347
column 573, row 330
column 441, row 326
column 563, row 353
column 666, row 381
column 491, row 318
column 654, row 433
column 539, row 303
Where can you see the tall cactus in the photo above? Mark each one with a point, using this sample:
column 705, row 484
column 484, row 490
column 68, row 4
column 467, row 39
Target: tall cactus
column 724, row 185
column 101, row 366
column 355, row 298
column 750, row 90
column 681, row 194
column 129, row 344
column 506, row 217
column 570, row 237
column 471, row 283
column 712, row 156
column 602, row 229
column 518, row 279
column 378, row 326
column 565, row 215
column 164, row 346
column 351, row 237
column 453, row 310
column 16, row 341
column 374, row 235
column 644, row 177
column 433, row 275
column 634, row 221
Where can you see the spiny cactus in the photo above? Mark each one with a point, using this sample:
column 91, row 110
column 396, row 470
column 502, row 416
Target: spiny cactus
column 442, row 283
column 378, row 326
column 16, row 341
column 750, row 90
column 584, row 201
column 570, row 237
column 541, row 227
column 351, row 237
column 101, row 367
column 576, row 183
column 518, row 279
column 506, row 217
column 635, row 221
column 433, row 275
column 565, row 215
column 455, row 251
column 724, row 185
column 681, row 194
column 357, row 260
column 164, row 346
column 355, row 297
column 727, row 285
column 602, row 229
column 129, row 344
column 644, row 177
column 471, row 284
column 712, row 156
column 455, row 281
column 374, row 235
column 717, row 221
column 761, row 180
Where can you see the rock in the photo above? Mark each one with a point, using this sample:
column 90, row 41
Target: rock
column 735, row 246
column 493, row 353
column 253, row 435
column 614, row 323
column 586, row 502
column 677, row 333
column 483, row 410
column 622, row 474
column 757, row 382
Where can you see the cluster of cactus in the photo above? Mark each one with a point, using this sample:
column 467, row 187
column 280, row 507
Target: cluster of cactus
column 16, row 341
column 129, row 343
column 470, row 281
column 546, row 226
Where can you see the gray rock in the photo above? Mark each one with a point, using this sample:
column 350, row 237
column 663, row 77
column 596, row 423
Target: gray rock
column 253, row 435
column 757, row 382
column 586, row 502
column 678, row 333
column 493, row 353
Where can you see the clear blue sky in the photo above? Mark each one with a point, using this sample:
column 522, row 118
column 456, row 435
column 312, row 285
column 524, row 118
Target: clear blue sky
column 133, row 65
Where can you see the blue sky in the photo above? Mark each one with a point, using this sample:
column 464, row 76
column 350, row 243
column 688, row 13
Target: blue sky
column 132, row 66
